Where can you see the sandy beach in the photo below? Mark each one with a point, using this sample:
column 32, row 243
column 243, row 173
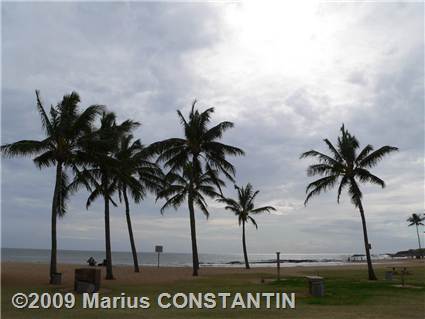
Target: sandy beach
column 33, row 274
column 348, row 292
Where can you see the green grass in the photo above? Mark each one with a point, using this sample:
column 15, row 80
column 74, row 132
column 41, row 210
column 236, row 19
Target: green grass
column 347, row 295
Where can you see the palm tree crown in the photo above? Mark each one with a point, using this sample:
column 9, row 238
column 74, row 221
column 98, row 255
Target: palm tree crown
column 243, row 206
column 199, row 143
column 416, row 219
column 178, row 188
column 66, row 130
column 346, row 165
column 134, row 160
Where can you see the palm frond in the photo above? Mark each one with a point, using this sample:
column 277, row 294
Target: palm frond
column 46, row 159
column 355, row 193
column 364, row 152
column 373, row 158
column 264, row 209
column 253, row 221
column 344, row 182
column 25, row 148
column 45, row 121
column 365, row 176
column 323, row 158
column 337, row 156
column 319, row 186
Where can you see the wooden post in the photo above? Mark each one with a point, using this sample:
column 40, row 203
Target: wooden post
column 278, row 265
column 158, row 249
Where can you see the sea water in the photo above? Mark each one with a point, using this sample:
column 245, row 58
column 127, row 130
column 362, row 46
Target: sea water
column 174, row 259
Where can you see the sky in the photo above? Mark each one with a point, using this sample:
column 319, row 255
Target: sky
column 288, row 74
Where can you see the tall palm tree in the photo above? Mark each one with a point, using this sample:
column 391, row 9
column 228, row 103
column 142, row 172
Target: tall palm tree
column 243, row 207
column 192, row 186
column 65, row 128
column 346, row 166
column 102, row 173
column 134, row 160
column 200, row 148
column 417, row 220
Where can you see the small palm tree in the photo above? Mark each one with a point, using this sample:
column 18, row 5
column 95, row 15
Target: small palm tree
column 347, row 167
column 417, row 220
column 200, row 148
column 101, row 173
column 243, row 207
column 134, row 161
column 65, row 129
column 193, row 187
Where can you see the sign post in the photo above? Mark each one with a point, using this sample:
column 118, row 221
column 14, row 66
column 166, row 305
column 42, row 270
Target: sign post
column 278, row 264
column 158, row 249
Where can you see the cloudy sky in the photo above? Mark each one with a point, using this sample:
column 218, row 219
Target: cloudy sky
column 287, row 75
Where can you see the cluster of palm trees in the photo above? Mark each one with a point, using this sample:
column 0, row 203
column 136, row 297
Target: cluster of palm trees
column 107, row 160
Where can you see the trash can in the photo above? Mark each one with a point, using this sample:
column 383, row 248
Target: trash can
column 316, row 286
column 87, row 280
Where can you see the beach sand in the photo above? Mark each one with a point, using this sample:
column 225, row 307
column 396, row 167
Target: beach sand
column 349, row 294
column 34, row 274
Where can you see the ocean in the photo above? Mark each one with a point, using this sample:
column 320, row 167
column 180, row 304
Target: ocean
column 174, row 259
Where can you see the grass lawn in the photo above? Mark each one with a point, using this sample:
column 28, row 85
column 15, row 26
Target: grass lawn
column 348, row 295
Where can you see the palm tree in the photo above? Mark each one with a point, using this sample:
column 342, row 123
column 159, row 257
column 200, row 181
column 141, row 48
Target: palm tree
column 243, row 207
column 134, row 161
column 201, row 149
column 192, row 186
column 348, row 167
column 416, row 220
column 102, row 173
column 65, row 129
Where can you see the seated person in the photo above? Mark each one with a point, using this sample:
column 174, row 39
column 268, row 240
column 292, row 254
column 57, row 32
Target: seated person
column 91, row 261
column 103, row 263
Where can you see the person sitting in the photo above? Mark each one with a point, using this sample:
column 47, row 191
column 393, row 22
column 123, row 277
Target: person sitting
column 91, row 261
column 103, row 263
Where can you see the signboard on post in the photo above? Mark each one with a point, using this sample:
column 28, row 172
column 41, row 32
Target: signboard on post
column 158, row 250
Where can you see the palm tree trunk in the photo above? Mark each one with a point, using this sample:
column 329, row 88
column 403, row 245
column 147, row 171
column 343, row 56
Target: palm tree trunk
column 244, row 246
column 130, row 231
column 195, row 258
column 53, row 251
column 419, row 241
column 109, row 274
column 366, row 243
